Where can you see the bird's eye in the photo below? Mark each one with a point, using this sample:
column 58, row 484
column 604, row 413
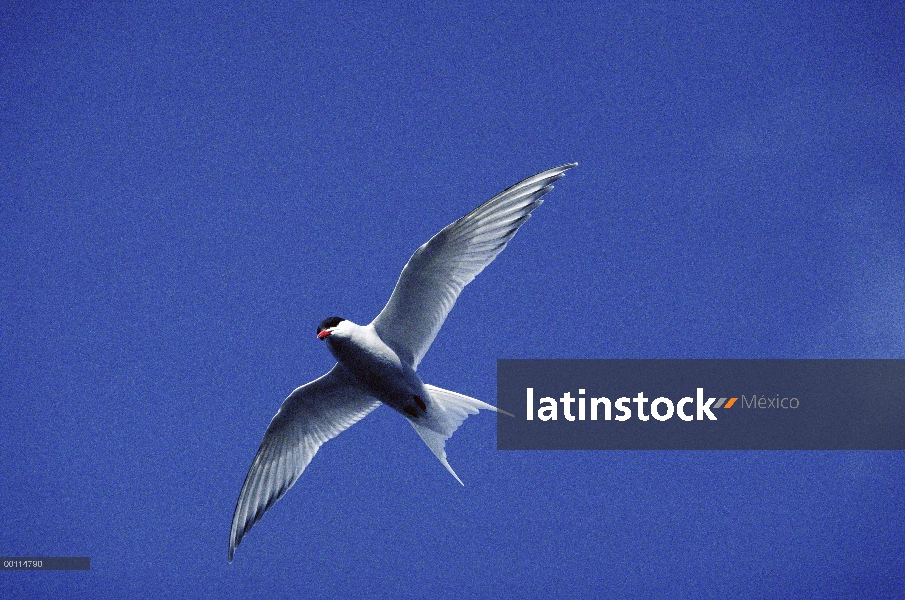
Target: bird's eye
column 329, row 322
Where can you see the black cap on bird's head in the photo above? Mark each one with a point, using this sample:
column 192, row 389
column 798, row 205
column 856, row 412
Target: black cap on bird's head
column 326, row 325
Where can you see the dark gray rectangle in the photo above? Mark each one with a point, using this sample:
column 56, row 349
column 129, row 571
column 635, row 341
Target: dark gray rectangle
column 794, row 404
column 45, row 563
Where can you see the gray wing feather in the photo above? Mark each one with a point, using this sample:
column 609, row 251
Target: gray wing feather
column 311, row 415
column 437, row 272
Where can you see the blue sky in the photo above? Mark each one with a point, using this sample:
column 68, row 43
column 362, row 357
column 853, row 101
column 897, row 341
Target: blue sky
column 187, row 191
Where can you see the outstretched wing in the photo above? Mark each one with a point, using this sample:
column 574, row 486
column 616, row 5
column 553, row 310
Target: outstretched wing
column 311, row 415
column 436, row 273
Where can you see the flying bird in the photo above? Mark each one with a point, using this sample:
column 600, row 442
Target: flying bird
column 377, row 363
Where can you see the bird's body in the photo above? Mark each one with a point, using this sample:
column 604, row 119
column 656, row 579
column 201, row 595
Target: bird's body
column 377, row 366
column 377, row 363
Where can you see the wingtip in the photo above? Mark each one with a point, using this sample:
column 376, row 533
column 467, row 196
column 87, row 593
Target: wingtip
column 235, row 538
column 561, row 169
column 233, row 544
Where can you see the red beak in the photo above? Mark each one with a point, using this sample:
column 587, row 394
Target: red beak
column 323, row 334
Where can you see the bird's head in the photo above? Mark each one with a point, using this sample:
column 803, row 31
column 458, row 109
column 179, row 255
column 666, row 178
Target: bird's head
column 329, row 326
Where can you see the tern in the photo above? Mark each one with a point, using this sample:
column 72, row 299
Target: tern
column 377, row 363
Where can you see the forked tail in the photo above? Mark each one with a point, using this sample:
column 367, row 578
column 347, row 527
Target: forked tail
column 455, row 408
